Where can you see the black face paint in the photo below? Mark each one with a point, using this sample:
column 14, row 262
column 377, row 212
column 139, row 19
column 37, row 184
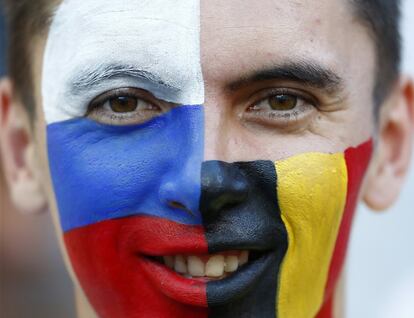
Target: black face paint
column 240, row 211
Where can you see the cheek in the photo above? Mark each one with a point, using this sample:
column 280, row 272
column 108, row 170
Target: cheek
column 317, row 195
column 311, row 191
column 105, row 172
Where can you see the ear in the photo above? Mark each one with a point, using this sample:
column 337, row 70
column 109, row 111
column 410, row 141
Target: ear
column 17, row 153
column 394, row 146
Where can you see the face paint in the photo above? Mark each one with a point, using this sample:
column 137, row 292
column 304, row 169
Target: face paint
column 154, row 46
column 312, row 189
column 117, row 187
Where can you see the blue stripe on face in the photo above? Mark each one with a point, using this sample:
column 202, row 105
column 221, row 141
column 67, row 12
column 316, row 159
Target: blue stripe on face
column 103, row 172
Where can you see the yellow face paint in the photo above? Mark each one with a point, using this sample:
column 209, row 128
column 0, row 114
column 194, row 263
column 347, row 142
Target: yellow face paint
column 311, row 192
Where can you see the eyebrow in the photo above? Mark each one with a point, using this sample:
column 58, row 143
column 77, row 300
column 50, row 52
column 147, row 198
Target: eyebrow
column 94, row 76
column 306, row 73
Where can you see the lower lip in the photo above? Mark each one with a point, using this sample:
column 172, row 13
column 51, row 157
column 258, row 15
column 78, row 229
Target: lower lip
column 184, row 290
column 194, row 291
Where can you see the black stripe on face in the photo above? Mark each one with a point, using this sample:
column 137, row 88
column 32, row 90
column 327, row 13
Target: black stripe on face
column 240, row 212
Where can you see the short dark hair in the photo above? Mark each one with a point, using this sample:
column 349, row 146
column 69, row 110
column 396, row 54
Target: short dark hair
column 27, row 19
column 382, row 18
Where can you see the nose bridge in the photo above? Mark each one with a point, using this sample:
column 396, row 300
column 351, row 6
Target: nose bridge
column 180, row 186
column 217, row 123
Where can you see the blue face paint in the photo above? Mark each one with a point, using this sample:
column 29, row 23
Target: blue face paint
column 103, row 172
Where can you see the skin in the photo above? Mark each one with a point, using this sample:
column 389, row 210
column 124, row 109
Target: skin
column 289, row 31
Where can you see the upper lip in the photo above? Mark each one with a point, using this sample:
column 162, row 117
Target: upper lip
column 183, row 239
column 160, row 242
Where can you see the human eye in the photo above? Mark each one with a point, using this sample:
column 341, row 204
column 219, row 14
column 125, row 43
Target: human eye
column 280, row 107
column 125, row 106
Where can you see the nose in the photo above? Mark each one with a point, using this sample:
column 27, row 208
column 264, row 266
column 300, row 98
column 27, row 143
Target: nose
column 223, row 186
column 181, row 190
column 179, row 180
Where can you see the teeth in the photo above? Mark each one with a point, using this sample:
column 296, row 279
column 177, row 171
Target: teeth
column 231, row 263
column 195, row 266
column 180, row 266
column 244, row 257
column 214, row 266
column 169, row 261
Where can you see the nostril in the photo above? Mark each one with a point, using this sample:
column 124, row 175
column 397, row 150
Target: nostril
column 227, row 201
column 180, row 206
column 181, row 193
column 176, row 205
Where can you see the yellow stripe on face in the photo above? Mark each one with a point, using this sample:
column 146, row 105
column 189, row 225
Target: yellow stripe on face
column 311, row 190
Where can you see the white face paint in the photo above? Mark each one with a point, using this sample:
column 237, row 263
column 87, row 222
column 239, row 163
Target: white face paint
column 98, row 45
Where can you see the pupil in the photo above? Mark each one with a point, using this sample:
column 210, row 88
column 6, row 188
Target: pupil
column 123, row 104
column 283, row 102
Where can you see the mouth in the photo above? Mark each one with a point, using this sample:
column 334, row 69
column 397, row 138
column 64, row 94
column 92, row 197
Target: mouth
column 207, row 267
column 207, row 279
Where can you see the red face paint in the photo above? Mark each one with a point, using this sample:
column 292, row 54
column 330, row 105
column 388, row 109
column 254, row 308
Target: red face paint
column 357, row 160
column 112, row 260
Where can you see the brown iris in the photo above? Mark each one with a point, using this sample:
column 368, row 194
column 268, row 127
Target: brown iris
column 283, row 102
column 123, row 104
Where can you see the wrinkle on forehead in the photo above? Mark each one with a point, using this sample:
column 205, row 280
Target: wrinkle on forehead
column 157, row 37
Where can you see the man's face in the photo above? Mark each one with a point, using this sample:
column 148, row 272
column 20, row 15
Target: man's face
column 205, row 157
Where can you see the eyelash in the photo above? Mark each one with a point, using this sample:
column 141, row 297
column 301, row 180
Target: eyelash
column 267, row 116
column 280, row 118
column 267, row 93
column 97, row 110
column 121, row 92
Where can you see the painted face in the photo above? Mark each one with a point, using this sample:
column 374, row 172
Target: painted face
column 152, row 228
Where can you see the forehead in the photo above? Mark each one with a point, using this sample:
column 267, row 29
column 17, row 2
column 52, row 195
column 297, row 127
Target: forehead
column 177, row 32
column 188, row 44
column 158, row 20
column 323, row 31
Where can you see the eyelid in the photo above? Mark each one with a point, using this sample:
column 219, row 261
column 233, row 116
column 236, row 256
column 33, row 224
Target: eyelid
column 148, row 107
column 137, row 93
column 266, row 93
column 293, row 120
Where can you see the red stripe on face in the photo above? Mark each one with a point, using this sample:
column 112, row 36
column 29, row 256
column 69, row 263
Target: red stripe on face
column 357, row 160
column 111, row 261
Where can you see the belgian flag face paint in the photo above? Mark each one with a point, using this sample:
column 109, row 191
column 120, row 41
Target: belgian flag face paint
column 130, row 195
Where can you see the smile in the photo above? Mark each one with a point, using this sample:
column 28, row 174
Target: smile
column 221, row 277
column 207, row 267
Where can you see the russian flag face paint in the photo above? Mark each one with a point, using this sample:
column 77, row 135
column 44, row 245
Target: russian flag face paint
column 130, row 195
